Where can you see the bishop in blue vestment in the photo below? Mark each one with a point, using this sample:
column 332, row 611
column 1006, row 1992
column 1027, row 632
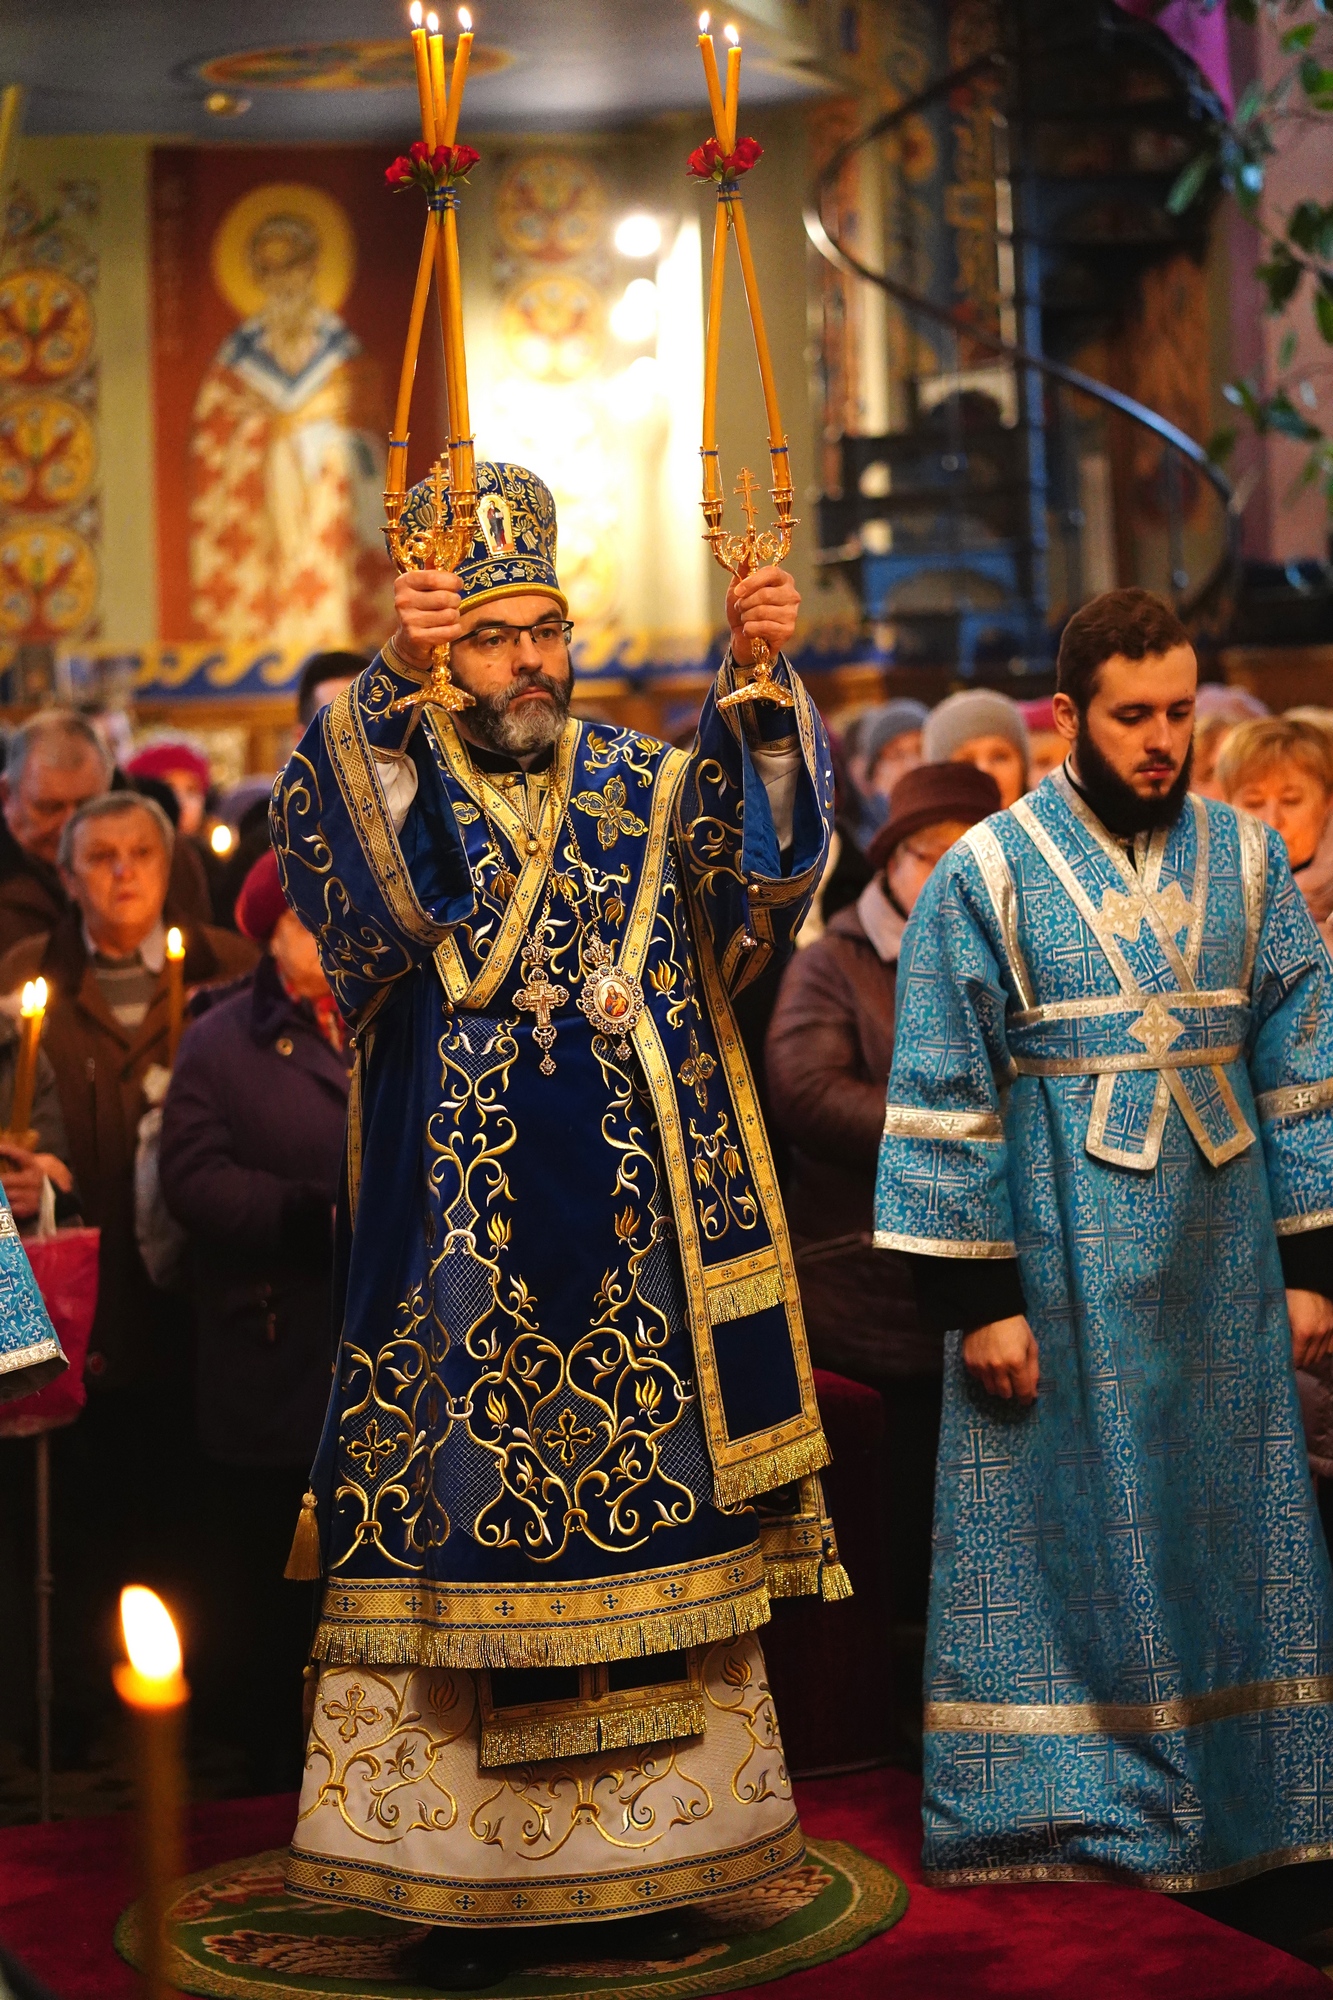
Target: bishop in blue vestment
column 1111, row 1111
column 573, row 1447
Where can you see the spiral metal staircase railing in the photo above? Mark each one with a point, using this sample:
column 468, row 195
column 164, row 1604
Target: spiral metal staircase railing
column 964, row 529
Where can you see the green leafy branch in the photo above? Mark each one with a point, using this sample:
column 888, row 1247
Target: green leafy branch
column 1296, row 250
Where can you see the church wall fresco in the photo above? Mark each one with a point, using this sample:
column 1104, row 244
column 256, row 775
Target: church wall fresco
column 281, row 280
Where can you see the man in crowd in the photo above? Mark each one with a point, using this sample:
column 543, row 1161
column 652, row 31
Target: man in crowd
column 54, row 764
column 1109, row 992
column 828, row 1054
column 103, row 958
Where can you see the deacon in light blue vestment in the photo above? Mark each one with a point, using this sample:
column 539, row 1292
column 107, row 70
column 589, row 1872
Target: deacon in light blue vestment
column 1118, row 1062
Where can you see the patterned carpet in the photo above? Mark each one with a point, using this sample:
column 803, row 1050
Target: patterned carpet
column 234, row 1931
column 63, row 1887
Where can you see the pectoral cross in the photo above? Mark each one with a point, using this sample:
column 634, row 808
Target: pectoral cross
column 538, row 995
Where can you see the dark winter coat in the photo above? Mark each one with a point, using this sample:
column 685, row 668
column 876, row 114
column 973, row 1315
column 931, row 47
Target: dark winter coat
column 99, row 1067
column 829, row 1050
column 251, row 1156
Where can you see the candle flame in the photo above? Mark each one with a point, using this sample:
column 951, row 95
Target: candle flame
column 433, row 23
column 415, row 11
column 703, row 22
column 465, row 20
column 732, row 34
column 175, row 943
column 150, row 1636
column 34, row 999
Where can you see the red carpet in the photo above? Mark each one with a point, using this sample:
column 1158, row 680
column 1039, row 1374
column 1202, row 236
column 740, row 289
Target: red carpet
column 62, row 1887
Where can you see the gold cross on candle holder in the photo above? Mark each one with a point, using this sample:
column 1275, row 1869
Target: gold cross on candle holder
column 743, row 554
column 440, row 545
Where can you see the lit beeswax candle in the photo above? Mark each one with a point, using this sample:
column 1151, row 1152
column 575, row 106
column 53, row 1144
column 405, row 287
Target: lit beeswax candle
column 175, row 992
column 154, row 1691
column 32, row 1013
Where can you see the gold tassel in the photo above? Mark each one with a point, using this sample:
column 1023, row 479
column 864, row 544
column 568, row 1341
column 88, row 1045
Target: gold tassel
column 834, row 1582
column 303, row 1564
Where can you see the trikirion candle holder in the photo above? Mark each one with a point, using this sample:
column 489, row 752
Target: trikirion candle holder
column 743, row 554
column 440, row 545
column 723, row 159
column 436, row 164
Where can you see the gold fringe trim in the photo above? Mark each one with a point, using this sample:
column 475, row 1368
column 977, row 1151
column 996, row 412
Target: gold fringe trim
column 834, row 1582
column 734, row 1484
column 743, row 1296
column 793, row 1576
column 303, row 1562
column 402, row 1645
column 807, row 1576
column 539, row 1740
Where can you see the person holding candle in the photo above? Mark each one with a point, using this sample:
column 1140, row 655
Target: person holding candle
column 106, row 1023
column 572, row 1450
column 105, row 1027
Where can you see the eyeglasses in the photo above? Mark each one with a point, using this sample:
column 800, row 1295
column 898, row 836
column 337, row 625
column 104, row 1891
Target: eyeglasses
column 497, row 642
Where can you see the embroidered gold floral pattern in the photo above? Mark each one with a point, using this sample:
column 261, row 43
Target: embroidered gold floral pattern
column 735, row 1687
column 399, row 1788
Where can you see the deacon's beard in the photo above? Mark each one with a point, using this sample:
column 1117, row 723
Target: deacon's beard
column 537, row 723
column 1118, row 806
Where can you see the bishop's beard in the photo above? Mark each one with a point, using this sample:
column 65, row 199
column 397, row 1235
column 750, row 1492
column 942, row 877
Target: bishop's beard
column 1118, row 806
column 536, row 725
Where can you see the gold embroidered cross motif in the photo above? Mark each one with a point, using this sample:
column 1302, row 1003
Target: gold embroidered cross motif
column 695, row 1071
column 350, row 1714
column 568, row 1438
column 611, row 812
column 538, row 995
column 1125, row 913
column 373, row 1448
column 1157, row 1027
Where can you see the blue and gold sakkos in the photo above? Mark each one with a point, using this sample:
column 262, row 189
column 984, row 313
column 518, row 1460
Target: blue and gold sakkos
column 1121, row 1071
column 571, row 1358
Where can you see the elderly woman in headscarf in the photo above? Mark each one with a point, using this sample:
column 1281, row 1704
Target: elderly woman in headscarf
column 984, row 728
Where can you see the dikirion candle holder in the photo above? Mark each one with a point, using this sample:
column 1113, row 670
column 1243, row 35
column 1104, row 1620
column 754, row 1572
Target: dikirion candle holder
column 723, row 159
column 437, row 165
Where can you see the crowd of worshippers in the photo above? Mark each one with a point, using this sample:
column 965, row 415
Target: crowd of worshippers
column 214, row 1182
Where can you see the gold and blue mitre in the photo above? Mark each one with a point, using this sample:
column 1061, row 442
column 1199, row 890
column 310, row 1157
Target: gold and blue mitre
column 513, row 550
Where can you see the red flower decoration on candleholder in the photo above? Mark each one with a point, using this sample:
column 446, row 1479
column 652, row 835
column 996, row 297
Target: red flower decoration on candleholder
column 709, row 163
column 431, row 171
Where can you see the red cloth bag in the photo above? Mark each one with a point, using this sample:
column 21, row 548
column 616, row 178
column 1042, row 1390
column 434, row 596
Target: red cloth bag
column 65, row 1267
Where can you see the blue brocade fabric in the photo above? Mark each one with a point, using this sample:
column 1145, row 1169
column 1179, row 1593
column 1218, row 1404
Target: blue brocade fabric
column 1124, row 1070
column 30, row 1351
column 571, row 1351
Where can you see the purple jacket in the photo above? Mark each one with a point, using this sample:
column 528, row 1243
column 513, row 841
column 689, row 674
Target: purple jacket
column 251, row 1160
